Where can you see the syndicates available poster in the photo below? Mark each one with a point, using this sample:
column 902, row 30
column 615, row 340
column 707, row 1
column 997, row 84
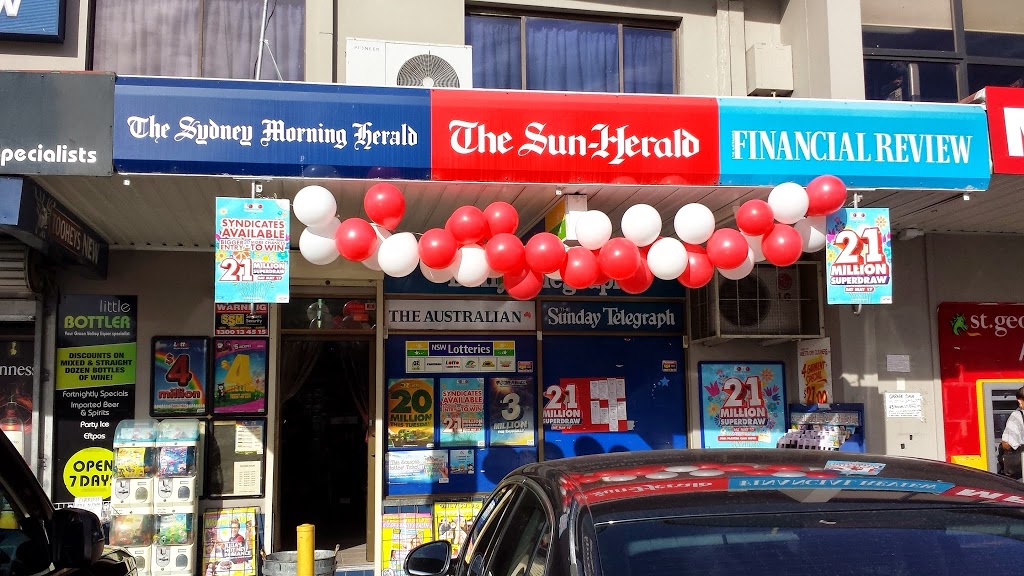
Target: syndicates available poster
column 586, row 405
column 411, row 412
column 242, row 320
column 742, row 405
column 815, row 370
column 512, row 411
column 230, row 542
column 401, row 533
column 418, row 466
column 95, row 389
column 240, row 374
column 252, row 248
column 462, row 412
column 16, row 371
column 858, row 256
column 180, row 366
column 454, row 520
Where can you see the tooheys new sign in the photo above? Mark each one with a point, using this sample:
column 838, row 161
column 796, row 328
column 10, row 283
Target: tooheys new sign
column 95, row 389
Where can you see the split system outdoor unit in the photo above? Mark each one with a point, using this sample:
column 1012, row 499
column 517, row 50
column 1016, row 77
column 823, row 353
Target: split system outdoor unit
column 770, row 303
column 386, row 63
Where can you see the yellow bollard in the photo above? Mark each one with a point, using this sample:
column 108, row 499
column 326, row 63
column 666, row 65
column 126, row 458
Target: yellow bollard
column 305, row 543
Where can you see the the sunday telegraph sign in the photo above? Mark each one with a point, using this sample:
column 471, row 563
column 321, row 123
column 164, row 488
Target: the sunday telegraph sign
column 460, row 315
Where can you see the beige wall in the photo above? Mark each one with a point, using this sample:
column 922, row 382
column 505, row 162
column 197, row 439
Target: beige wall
column 70, row 55
column 828, row 52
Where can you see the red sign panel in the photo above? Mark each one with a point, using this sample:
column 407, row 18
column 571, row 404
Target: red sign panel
column 1005, row 107
column 976, row 342
column 493, row 136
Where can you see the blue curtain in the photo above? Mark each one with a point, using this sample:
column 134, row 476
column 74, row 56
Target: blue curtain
column 647, row 58
column 497, row 60
column 571, row 55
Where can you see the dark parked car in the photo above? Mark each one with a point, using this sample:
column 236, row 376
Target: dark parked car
column 36, row 540
column 762, row 512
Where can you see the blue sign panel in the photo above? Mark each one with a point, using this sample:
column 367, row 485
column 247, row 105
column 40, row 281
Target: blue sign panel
column 866, row 144
column 194, row 126
column 613, row 316
column 415, row 283
column 39, row 20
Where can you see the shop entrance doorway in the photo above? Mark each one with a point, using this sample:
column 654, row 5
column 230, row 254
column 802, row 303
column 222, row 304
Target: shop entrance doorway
column 325, row 414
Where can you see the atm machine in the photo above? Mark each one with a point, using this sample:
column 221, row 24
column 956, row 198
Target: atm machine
column 999, row 400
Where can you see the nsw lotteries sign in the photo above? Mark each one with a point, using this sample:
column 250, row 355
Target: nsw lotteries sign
column 859, row 256
column 252, row 250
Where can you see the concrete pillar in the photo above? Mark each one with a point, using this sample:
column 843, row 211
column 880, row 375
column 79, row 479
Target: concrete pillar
column 828, row 54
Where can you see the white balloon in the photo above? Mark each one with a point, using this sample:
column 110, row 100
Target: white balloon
column 315, row 206
column 694, row 223
column 741, row 271
column 667, row 258
column 470, row 268
column 593, row 229
column 755, row 246
column 556, row 275
column 788, row 202
column 641, row 224
column 382, row 234
column 317, row 249
column 812, row 232
column 398, row 255
column 441, row 276
column 326, row 230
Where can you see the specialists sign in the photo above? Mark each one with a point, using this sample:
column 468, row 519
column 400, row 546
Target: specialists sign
column 460, row 315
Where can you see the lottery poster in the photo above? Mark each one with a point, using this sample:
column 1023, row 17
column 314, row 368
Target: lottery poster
column 401, row 533
column 575, row 405
column 252, row 250
column 742, row 405
column 513, row 420
column 858, row 256
column 180, row 366
column 240, row 375
column 411, row 412
column 418, row 466
column 454, row 520
column 462, row 412
column 230, row 542
column 815, row 370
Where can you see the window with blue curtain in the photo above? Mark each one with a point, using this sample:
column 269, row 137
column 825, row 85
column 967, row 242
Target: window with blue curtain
column 570, row 55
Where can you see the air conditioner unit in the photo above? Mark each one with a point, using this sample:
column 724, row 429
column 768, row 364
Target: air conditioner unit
column 770, row 303
column 387, row 63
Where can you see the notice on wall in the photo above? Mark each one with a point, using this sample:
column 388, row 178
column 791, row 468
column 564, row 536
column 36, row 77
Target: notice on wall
column 743, row 404
column 411, row 412
column 419, row 466
column 904, row 405
column 460, row 356
column 401, row 533
column 242, row 319
column 858, row 256
column 462, row 412
column 815, row 368
column 512, row 411
column 95, row 389
column 586, row 405
column 252, row 249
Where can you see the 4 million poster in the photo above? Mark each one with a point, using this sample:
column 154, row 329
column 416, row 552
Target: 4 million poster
column 742, row 405
column 179, row 376
column 240, row 374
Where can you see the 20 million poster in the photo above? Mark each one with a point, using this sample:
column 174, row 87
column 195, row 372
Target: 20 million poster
column 95, row 389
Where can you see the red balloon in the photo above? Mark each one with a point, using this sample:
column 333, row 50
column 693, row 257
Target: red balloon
column 580, row 268
column 640, row 281
column 727, row 248
column 699, row 269
column 467, row 224
column 355, row 239
column 545, row 253
column 438, row 248
column 783, row 245
column 384, row 204
column 619, row 258
column 602, row 278
column 505, row 253
column 523, row 284
column 501, row 218
column 755, row 217
column 825, row 194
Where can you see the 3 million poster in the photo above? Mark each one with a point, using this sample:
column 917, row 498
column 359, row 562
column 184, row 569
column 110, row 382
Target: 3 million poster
column 742, row 405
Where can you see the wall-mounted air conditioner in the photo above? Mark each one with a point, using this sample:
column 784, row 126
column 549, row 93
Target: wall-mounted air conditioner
column 387, row 63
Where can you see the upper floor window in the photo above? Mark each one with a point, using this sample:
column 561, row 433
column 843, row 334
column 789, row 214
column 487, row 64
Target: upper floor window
column 907, row 24
column 539, row 53
column 199, row 38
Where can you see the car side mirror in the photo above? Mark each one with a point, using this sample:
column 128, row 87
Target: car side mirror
column 430, row 559
column 77, row 538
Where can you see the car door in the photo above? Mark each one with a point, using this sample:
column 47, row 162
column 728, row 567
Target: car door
column 522, row 548
column 473, row 558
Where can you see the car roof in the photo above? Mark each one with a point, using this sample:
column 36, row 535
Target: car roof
column 726, row 481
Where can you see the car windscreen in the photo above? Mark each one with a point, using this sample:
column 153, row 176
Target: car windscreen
column 936, row 542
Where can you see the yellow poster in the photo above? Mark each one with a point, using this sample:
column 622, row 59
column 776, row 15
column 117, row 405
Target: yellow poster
column 411, row 412
column 453, row 521
column 815, row 371
column 401, row 533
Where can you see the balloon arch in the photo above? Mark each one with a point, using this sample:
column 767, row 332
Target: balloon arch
column 475, row 244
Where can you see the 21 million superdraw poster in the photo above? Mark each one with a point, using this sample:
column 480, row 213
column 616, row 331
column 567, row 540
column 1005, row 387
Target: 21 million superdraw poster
column 743, row 405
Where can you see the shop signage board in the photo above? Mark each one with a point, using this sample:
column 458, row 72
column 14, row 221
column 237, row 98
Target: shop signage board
column 526, row 136
column 613, row 316
column 743, row 404
column 815, row 369
column 476, row 315
column 241, row 319
column 32, row 20
column 195, row 126
column 252, row 250
column 858, row 256
column 415, row 283
column 95, row 375
column 36, row 136
column 768, row 141
column 460, row 356
column 1005, row 109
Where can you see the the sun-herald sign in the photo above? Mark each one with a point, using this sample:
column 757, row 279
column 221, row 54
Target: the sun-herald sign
column 1005, row 108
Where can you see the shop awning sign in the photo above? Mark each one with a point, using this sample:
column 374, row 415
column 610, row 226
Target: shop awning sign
column 486, row 315
column 1005, row 108
column 252, row 250
column 858, row 257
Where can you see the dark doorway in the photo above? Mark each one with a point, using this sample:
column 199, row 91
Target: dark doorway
column 325, row 407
